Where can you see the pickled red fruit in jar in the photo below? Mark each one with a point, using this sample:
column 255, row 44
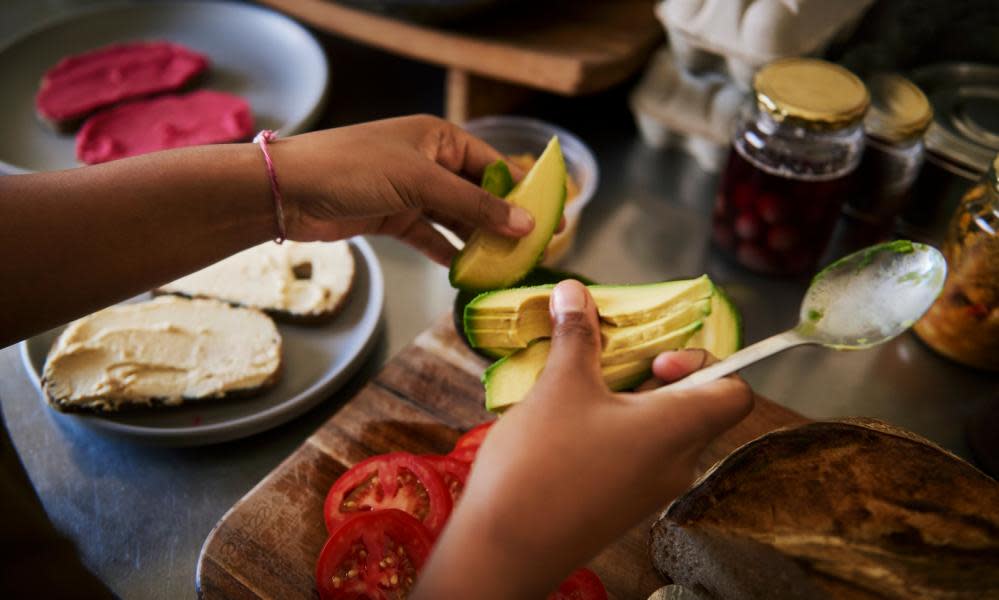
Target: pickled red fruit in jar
column 777, row 223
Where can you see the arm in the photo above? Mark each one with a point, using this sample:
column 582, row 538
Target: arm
column 78, row 240
column 574, row 465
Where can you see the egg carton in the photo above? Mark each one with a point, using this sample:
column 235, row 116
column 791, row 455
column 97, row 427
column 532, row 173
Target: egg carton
column 740, row 36
column 693, row 112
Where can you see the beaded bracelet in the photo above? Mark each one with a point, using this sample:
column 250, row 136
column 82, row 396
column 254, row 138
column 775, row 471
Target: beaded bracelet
column 263, row 138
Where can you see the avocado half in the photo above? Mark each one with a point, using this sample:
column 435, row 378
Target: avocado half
column 685, row 314
column 539, row 276
column 491, row 261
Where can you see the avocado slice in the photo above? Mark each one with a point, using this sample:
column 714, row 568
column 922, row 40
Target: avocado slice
column 539, row 276
column 722, row 331
column 490, row 261
column 671, row 340
column 712, row 322
column 509, row 380
column 512, row 318
column 618, row 305
column 484, row 332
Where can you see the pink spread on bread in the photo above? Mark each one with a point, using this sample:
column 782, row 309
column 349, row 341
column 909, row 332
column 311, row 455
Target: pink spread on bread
column 81, row 84
column 202, row 117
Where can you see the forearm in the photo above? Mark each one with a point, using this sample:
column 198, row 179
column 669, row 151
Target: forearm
column 75, row 241
column 486, row 547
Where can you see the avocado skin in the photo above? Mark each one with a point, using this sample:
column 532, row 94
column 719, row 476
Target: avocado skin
column 496, row 179
column 539, row 276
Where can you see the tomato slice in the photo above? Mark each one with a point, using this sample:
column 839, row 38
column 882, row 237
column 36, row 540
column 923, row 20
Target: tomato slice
column 582, row 584
column 397, row 480
column 453, row 471
column 468, row 445
column 374, row 555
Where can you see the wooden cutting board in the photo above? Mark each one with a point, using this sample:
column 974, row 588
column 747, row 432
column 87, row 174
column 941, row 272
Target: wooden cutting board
column 424, row 398
column 570, row 47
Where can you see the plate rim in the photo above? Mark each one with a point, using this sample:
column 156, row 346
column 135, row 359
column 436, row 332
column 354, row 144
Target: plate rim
column 64, row 18
column 256, row 422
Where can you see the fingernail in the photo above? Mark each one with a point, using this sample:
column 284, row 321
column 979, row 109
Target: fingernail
column 568, row 297
column 520, row 220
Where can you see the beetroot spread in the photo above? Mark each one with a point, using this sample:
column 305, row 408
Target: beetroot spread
column 202, row 117
column 81, row 84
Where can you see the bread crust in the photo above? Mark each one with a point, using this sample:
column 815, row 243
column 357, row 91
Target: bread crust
column 849, row 509
column 161, row 404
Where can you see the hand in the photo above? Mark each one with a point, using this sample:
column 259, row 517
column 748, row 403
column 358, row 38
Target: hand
column 393, row 177
column 575, row 465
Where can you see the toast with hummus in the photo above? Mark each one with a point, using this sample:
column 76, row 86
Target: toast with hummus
column 166, row 351
column 294, row 281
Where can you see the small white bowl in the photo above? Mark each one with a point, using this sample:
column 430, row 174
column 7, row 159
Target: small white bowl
column 520, row 135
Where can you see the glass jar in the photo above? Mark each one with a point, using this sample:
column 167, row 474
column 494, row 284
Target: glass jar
column 794, row 153
column 963, row 324
column 893, row 153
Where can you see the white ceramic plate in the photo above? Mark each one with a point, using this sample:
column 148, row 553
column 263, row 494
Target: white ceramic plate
column 268, row 59
column 317, row 360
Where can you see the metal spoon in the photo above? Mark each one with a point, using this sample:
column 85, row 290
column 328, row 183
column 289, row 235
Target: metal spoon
column 859, row 301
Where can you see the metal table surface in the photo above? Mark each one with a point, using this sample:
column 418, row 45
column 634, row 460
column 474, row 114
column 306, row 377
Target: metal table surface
column 139, row 514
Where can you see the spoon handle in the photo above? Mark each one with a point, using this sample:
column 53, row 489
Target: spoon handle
column 745, row 357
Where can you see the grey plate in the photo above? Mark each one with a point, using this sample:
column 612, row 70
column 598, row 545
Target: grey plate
column 268, row 59
column 317, row 360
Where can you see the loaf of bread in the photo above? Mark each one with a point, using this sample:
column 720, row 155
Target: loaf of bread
column 848, row 509
column 298, row 282
column 162, row 352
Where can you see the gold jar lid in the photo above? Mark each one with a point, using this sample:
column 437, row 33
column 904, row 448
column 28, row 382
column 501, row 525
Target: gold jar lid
column 899, row 109
column 811, row 92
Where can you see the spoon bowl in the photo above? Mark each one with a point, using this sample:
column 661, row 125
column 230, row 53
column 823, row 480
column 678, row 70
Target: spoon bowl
column 859, row 301
column 871, row 296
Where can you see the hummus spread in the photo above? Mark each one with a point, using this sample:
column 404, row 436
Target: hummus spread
column 163, row 351
column 298, row 279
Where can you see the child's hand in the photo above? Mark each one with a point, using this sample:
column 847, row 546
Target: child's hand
column 575, row 465
column 392, row 177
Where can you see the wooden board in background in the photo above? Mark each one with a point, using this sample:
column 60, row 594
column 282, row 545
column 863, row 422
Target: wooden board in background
column 570, row 47
column 424, row 398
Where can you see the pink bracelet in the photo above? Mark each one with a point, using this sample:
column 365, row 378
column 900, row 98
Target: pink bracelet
column 262, row 138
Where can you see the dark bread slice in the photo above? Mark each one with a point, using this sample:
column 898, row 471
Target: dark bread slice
column 848, row 509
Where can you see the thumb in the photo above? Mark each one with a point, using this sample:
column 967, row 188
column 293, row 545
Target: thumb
column 576, row 332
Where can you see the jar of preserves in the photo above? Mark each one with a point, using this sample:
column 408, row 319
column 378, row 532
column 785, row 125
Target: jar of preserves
column 893, row 152
column 794, row 154
column 963, row 324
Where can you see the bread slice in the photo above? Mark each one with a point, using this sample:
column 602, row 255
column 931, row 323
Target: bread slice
column 848, row 509
column 298, row 282
column 162, row 352
column 84, row 83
